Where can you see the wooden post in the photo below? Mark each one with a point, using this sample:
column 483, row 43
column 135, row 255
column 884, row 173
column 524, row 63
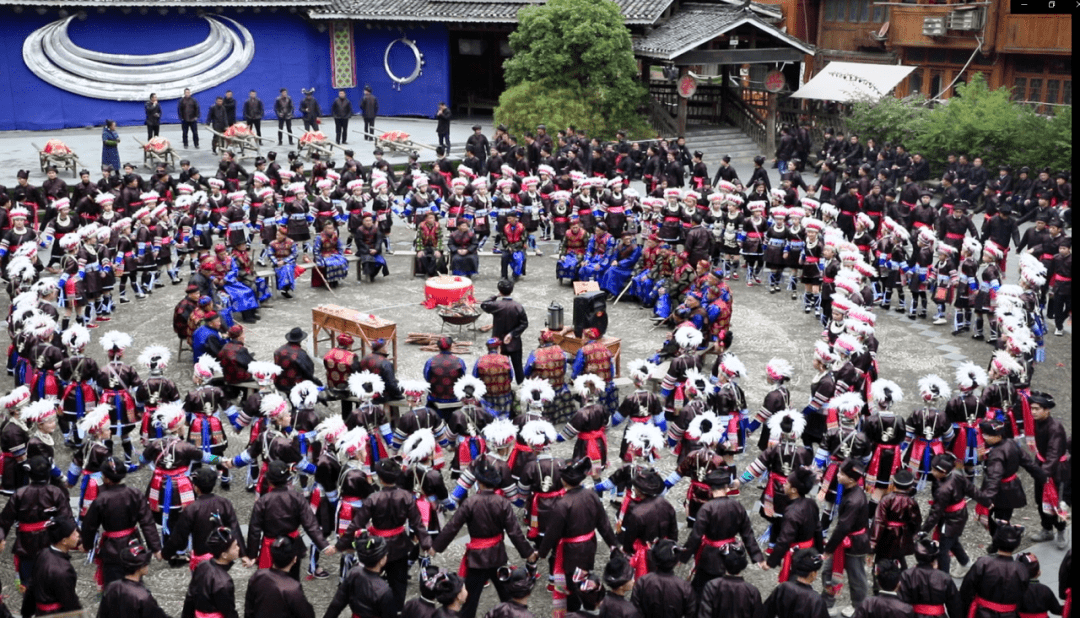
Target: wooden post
column 770, row 126
column 683, row 103
column 646, row 70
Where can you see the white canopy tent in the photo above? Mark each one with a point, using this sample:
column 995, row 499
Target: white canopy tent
column 853, row 81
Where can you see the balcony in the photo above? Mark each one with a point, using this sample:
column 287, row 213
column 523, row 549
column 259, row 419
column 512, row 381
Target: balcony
column 951, row 25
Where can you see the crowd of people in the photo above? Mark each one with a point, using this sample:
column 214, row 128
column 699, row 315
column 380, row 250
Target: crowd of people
column 839, row 476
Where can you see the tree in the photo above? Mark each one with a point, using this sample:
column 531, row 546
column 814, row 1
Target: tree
column 581, row 46
column 888, row 119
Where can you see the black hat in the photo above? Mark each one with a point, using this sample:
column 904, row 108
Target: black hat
column 589, row 589
column 60, row 528
column 204, row 478
column 665, row 554
column 618, row 571
column 134, row 557
column 1065, row 242
column 220, row 540
column 945, row 462
column 447, row 586
column 517, row 581
column 649, row 483
column 1007, row 537
column 370, row 549
column 113, row 469
column 1045, row 400
column 486, row 473
column 39, row 469
column 992, row 428
column 278, row 472
column 719, row 478
column 887, row 573
column 903, row 479
column 24, row 174
column 734, row 558
column 759, row 160
column 926, row 550
column 1005, row 209
column 476, row 127
column 852, row 469
column 1031, row 561
column 296, row 335
column 282, row 551
column 726, row 158
column 805, row 561
column 576, row 471
column 802, row 479
column 1042, row 217
column 377, row 151
column 428, row 576
column 501, row 127
column 698, row 154
column 1055, row 222
column 192, row 171
column 388, row 470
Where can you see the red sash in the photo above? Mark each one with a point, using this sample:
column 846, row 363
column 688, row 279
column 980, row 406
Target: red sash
column 265, row 561
column 1033, row 615
column 424, row 506
column 707, row 542
column 486, row 543
column 959, row 506
column 952, row 236
column 199, row 614
column 595, row 443
column 197, row 559
column 875, row 461
column 345, row 513
column 838, row 560
column 768, row 495
column 785, row 568
column 32, row 526
column 386, row 534
column 1001, row 608
column 929, row 610
column 518, row 448
column 49, row 608
column 118, row 534
column 534, row 510
column 558, row 565
column 639, row 559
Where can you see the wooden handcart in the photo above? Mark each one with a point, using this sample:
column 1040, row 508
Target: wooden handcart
column 240, row 139
column 59, row 154
column 398, row 141
column 314, row 142
column 158, row 151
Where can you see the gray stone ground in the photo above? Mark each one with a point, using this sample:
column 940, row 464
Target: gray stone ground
column 764, row 325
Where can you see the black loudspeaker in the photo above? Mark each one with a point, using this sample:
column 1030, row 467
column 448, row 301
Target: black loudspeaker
column 590, row 311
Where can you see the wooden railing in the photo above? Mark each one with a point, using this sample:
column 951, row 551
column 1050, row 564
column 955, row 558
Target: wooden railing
column 702, row 108
column 743, row 115
column 798, row 111
column 660, row 118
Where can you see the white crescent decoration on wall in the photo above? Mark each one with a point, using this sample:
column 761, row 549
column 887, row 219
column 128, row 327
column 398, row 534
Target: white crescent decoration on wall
column 51, row 54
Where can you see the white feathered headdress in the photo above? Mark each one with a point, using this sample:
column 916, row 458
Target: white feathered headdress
column 22, row 269
column 155, row 355
column 688, row 337
column 352, row 444
column 848, row 344
column 415, row 388
column 1021, row 340
column 208, row 368
column 41, row 326
column 535, row 392
column 39, row 411
column 18, row 397
column 95, row 420
column 75, row 337
column 698, row 382
column 885, row 393
column 784, row 417
column 469, row 387
column 847, row 406
column 168, row 415
column 304, row 395
column 418, row 447
column 538, row 433
column 263, row 372
column 1005, row 364
column 732, row 366
column 706, row 428
column 640, row 369
column 366, row 385
column 116, row 340
column 932, row 387
column 970, row 376
column 330, row 429
column 273, row 404
column 779, row 369
column 499, row 433
column 646, row 439
column 588, row 385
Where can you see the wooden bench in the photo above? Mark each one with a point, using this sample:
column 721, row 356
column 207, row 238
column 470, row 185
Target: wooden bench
column 183, row 347
column 473, row 102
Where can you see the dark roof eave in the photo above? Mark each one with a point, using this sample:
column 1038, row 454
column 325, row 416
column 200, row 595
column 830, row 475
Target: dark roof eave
column 318, row 16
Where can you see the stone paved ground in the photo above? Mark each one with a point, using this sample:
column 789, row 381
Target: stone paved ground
column 764, row 325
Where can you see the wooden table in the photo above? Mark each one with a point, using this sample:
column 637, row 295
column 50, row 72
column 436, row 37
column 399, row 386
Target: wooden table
column 571, row 344
column 330, row 320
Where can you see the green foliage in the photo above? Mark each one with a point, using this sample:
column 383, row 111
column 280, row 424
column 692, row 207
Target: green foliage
column 888, row 119
column 583, row 47
column 528, row 104
column 977, row 121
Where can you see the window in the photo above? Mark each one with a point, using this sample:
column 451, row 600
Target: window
column 1066, row 92
column 983, row 60
column 915, row 82
column 830, row 10
column 916, row 55
column 1030, row 64
column 1019, row 87
column 1035, row 90
column 1052, row 90
column 864, row 10
column 881, row 13
column 935, row 84
column 853, row 10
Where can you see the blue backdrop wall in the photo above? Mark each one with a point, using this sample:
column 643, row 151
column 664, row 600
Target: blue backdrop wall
column 289, row 52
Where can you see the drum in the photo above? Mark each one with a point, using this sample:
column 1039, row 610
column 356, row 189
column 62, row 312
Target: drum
column 447, row 290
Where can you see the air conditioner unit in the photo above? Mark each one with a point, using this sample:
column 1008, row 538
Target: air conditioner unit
column 933, row 26
column 965, row 20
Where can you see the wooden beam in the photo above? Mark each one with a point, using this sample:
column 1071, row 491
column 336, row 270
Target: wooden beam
column 740, row 56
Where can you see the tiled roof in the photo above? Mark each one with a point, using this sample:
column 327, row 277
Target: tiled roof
column 636, row 12
column 698, row 23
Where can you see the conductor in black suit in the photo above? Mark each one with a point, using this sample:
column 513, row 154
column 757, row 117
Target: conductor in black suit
column 509, row 321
